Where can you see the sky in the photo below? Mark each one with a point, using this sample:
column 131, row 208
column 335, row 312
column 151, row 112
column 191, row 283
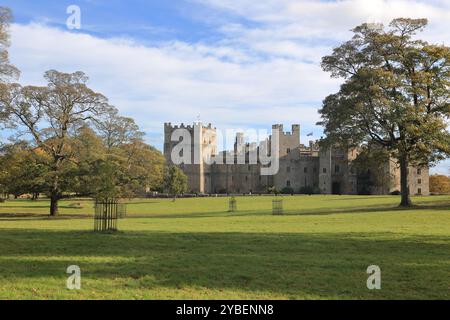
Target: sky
column 236, row 64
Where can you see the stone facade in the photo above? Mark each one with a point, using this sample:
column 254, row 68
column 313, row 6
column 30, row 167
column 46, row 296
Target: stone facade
column 301, row 168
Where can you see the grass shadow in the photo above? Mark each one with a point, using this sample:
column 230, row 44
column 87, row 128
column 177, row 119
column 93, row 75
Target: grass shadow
column 286, row 264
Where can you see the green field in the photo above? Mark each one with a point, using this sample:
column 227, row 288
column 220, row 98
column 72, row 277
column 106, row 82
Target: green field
column 195, row 249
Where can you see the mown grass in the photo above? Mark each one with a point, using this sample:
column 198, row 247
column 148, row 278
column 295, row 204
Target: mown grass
column 195, row 249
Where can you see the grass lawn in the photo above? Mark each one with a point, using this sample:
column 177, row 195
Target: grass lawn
column 195, row 249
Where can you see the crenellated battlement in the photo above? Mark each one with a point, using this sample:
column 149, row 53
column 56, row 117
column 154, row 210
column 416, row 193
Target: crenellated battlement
column 169, row 127
column 280, row 128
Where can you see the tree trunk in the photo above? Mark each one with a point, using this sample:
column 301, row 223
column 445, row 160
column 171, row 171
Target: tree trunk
column 54, row 193
column 54, row 198
column 406, row 200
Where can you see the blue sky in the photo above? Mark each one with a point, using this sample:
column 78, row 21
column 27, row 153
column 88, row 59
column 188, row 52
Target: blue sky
column 237, row 64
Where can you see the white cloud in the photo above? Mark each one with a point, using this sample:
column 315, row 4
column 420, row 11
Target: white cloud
column 176, row 81
column 264, row 70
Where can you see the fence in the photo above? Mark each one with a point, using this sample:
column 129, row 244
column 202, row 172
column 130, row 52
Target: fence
column 277, row 207
column 107, row 213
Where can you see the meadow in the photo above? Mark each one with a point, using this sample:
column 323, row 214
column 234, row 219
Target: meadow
column 195, row 249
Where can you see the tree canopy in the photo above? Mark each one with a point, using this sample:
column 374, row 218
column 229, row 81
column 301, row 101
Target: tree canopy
column 439, row 184
column 395, row 94
column 175, row 181
column 7, row 71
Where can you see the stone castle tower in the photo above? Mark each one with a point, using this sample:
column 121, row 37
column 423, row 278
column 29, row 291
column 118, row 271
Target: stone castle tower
column 203, row 146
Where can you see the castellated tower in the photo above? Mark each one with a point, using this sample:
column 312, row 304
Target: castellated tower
column 201, row 144
column 288, row 140
column 325, row 171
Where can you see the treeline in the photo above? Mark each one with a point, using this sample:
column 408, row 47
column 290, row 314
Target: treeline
column 90, row 167
column 66, row 139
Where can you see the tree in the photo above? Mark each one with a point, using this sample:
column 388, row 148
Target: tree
column 24, row 170
column 274, row 190
column 88, row 152
column 439, row 184
column 7, row 71
column 142, row 168
column 372, row 166
column 175, row 181
column 117, row 130
column 50, row 115
column 395, row 94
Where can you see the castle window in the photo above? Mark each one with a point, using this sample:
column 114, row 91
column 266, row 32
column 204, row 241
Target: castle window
column 246, row 178
column 419, row 191
column 314, row 169
column 305, row 170
column 337, row 168
column 260, row 178
column 419, row 181
column 324, row 170
column 288, row 169
column 288, row 150
column 419, row 171
column 288, row 183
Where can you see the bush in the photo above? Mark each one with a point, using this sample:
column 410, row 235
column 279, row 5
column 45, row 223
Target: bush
column 274, row 191
column 395, row 193
column 309, row 190
column 287, row 190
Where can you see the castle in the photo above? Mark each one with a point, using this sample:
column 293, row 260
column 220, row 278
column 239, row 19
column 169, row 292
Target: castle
column 301, row 168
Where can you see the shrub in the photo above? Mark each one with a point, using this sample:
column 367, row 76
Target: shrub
column 287, row 190
column 274, row 191
column 309, row 190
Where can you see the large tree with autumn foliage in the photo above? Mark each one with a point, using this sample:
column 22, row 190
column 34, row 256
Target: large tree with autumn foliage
column 395, row 94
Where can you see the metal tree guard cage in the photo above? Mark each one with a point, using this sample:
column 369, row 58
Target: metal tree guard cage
column 232, row 205
column 122, row 210
column 107, row 212
column 277, row 207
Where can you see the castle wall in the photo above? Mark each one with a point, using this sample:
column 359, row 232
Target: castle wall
column 330, row 171
column 297, row 171
column 325, row 171
column 418, row 178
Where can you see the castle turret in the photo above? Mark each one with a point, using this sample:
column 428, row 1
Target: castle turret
column 201, row 145
column 288, row 141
